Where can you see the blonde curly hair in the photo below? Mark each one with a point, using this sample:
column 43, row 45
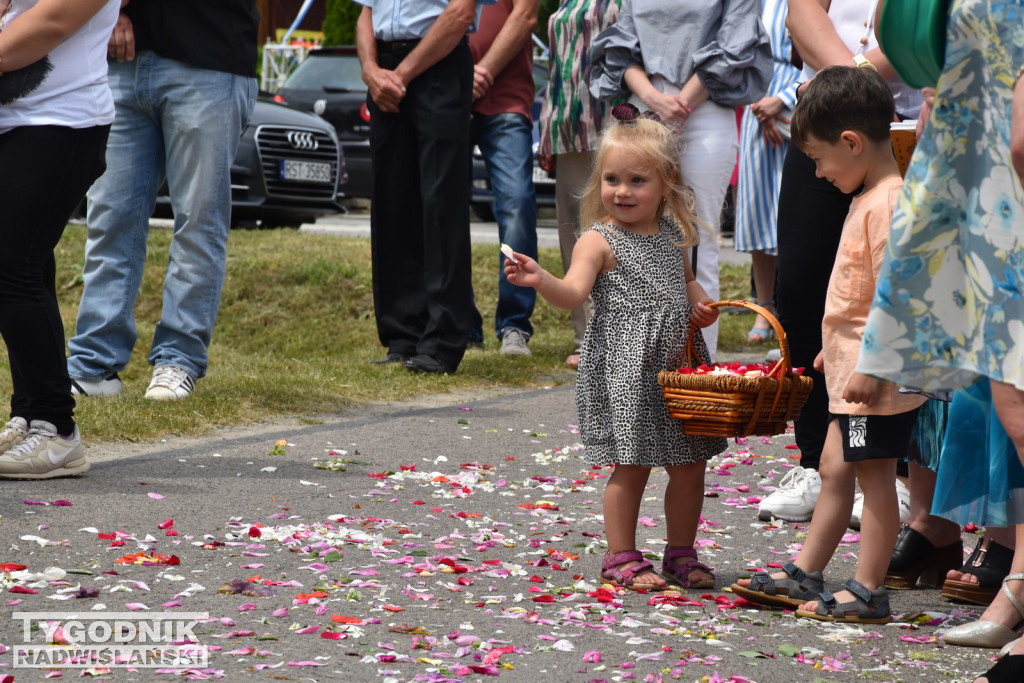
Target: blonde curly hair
column 653, row 143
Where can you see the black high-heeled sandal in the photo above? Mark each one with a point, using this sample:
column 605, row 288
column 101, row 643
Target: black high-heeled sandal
column 990, row 564
column 916, row 560
column 1009, row 669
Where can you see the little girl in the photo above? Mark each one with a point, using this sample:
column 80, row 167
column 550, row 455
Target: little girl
column 632, row 262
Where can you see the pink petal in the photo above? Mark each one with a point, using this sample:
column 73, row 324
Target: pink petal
column 246, row 606
column 155, row 496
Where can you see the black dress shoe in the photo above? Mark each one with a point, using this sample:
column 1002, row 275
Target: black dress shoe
column 425, row 363
column 916, row 560
column 390, row 358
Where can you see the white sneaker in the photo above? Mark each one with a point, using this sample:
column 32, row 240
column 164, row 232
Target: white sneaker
column 902, row 495
column 513, row 342
column 170, row 383
column 795, row 497
column 13, row 434
column 108, row 386
column 44, row 454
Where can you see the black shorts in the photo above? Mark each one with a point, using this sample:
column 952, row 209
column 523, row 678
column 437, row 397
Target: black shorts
column 876, row 437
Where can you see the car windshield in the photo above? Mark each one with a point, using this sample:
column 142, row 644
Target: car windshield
column 328, row 72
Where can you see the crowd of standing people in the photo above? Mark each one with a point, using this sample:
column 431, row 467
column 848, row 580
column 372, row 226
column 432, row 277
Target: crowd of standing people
column 901, row 296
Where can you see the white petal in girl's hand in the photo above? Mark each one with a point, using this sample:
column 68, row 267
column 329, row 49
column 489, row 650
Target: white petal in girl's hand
column 507, row 251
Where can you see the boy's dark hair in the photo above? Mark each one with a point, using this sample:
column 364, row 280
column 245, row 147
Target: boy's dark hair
column 844, row 98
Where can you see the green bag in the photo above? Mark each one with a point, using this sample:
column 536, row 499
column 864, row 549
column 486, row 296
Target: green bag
column 912, row 35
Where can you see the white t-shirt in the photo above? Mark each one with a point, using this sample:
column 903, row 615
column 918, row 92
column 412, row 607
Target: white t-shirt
column 854, row 22
column 69, row 86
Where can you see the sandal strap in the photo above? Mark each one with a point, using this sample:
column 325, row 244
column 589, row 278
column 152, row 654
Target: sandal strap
column 794, row 572
column 638, row 568
column 1009, row 593
column 866, row 602
column 615, row 559
column 674, row 553
column 858, row 589
column 612, row 567
column 826, row 602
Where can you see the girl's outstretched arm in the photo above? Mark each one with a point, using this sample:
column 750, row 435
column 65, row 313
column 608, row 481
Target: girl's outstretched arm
column 590, row 257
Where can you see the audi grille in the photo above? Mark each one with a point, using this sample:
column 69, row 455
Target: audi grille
column 277, row 144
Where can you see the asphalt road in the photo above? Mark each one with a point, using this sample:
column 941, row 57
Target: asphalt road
column 462, row 541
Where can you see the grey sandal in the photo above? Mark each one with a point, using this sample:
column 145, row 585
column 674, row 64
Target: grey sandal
column 867, row 607
column 799, row 588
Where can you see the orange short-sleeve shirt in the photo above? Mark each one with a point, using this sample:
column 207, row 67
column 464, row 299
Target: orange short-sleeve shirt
column 850, row 290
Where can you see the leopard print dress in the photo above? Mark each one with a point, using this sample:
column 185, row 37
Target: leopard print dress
column 639, row 327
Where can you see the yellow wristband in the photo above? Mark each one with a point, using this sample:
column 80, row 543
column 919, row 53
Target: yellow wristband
column 862, row 62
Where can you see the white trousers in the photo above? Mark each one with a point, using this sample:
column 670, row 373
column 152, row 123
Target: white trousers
column 709, row 144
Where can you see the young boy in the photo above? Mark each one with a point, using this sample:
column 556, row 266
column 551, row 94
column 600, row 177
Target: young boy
column 842, row 123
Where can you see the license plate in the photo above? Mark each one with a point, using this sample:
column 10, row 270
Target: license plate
column 305, row 171
column 541, row 176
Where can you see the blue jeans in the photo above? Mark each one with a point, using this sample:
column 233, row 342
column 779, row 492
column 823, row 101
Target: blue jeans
column 182, row 123
column 506, row 142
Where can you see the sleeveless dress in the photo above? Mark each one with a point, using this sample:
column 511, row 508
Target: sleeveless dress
column 639, row 328
column 949, row 306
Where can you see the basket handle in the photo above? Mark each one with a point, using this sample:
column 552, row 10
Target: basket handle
column 783, row 367
column 785, row 362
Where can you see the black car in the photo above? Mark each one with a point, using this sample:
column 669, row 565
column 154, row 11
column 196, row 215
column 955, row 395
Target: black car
column 287, row 170
column 329, row 82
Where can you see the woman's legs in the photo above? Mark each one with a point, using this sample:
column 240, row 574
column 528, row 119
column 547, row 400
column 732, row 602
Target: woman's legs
column 938, row 530
column 708, row 145
column 572, row 172
column 50, row 167
column 763, row 265
column 1009, row 405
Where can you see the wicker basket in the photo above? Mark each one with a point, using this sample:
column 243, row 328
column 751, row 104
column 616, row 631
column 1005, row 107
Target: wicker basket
column 728, row 405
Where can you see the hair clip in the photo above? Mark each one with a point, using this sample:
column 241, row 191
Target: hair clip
column 628, row 114
column 625, row 113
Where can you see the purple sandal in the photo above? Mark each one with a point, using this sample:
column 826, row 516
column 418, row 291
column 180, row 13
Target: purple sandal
column 612, row 572
column 678, row 574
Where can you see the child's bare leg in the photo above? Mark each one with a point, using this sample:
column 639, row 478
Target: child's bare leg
column 879, row 526
column 684, row 499
column 622, row 497
column 832, row 511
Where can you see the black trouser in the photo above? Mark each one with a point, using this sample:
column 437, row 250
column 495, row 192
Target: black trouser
column 420, row 210
column 46, row 171
column 811, row 215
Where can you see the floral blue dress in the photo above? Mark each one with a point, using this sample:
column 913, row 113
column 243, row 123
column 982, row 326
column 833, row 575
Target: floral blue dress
column 948, row 308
